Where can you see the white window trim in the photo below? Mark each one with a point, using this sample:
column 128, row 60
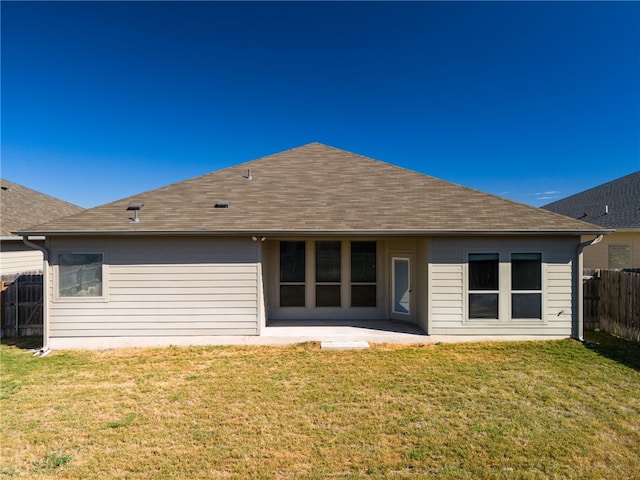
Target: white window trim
column 541, row 291
column 481, row 292
column 504, row 288
column 57, row 298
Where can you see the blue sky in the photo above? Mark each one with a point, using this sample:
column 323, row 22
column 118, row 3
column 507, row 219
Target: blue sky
column 533, row 101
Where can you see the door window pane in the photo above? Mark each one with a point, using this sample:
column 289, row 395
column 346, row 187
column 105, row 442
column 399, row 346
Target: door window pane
column 483, row 271
column 401, row 295
column 292, row 263
column 526, row 271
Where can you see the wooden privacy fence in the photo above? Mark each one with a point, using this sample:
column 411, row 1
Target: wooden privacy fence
column 21, row 312
column 612, row 302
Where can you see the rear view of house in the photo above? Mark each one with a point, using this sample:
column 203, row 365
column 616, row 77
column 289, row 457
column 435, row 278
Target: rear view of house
column 310, row 234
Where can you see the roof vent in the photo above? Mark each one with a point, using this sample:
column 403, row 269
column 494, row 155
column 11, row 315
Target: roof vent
column 248, row 175
column 135, row 208
column 5, row 187
column 222, row 204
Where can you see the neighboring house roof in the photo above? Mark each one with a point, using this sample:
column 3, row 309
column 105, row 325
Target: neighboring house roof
column 21, row 207
column 315, row 189
column 614, row 204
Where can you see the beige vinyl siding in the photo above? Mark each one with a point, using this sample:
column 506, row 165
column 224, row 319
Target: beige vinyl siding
column 16, row 257
column 449, row 292
column 446, row 294
column 190, row 286
column 597, row 256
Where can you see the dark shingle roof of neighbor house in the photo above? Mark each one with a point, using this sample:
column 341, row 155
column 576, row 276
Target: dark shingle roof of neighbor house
column 315, row 189
column 614, row 204
column 21, row 207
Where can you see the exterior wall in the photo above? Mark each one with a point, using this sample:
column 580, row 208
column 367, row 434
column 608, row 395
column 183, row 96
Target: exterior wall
column 597, row 256
column 200, row 288
column 16, row 257
column 160, row 287
column 448, row 285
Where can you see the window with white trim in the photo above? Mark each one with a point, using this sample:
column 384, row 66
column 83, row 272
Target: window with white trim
column 80, row 275
column 526, row 285
column 505, row 286
column 484, row 285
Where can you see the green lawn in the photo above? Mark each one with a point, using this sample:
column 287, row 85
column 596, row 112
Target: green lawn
column 533, row 410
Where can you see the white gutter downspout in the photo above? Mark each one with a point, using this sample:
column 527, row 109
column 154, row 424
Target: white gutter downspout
column 579, row 331
column 45, row 293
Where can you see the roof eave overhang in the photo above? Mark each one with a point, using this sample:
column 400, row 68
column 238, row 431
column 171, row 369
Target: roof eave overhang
column 18, row 238
column 280, row 233
column 628, row 230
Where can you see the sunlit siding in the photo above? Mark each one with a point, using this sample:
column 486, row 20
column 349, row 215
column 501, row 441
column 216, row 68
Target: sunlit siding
column 162, row 287
column 16, row 257
column 448, row 286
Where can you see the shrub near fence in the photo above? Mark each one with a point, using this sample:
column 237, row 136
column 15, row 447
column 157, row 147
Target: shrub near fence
column 612, row 302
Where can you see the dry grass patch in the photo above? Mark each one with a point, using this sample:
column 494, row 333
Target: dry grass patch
column 494, row 410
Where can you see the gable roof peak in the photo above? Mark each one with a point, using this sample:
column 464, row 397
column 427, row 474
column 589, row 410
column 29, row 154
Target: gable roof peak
column 316, row 189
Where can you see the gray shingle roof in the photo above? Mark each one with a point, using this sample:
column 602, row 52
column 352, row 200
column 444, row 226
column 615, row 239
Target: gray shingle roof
column 614, row 204
column 22, row 207
column 315, row 189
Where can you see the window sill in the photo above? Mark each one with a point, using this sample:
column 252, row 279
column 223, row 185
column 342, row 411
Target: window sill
column 102, row 299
